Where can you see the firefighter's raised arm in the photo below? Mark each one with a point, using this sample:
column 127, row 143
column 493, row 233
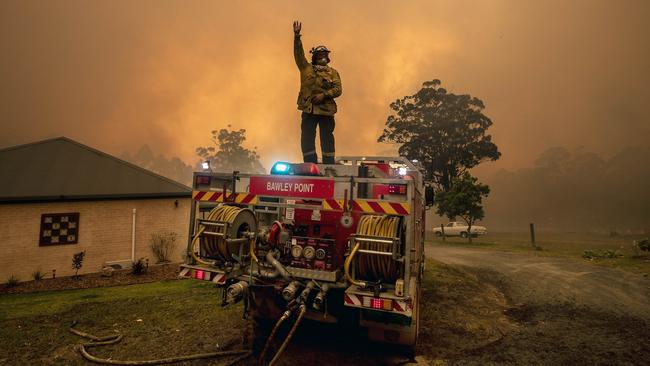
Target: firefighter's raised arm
column 298, row 51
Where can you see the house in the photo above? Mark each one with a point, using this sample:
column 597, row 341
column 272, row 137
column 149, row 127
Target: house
column 59, row 197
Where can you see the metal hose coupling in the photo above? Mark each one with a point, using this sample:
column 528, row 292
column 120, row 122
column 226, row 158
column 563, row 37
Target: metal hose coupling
column 236, row 291
column 319, row 300
column 291, row 290
column 304, row 295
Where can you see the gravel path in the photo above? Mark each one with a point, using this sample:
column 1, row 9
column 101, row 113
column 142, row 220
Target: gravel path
column 548, row 280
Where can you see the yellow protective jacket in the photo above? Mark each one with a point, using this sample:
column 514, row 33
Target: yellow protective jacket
column 313, row 80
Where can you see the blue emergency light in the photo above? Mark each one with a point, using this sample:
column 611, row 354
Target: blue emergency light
column 280, row 168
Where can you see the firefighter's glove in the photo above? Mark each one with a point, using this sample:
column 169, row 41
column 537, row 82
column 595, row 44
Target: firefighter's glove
column 318, row 98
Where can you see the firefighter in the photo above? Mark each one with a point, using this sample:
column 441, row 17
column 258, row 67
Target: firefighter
column 319, row 85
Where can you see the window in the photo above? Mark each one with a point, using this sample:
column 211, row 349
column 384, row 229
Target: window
column 59, row 228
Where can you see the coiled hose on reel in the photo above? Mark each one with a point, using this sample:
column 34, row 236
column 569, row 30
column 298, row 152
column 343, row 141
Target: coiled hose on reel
column 239, row 220
column 373, row 267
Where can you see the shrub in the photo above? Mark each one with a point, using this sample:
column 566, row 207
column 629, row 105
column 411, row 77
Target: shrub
column 163, row 244
column 589, row 254
column 139, row 267
column 643, row 244
column 37, row 275
column 77, row 261
column 12, row 281
column 611, row 254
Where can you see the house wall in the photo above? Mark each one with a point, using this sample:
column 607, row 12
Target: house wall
column 104, row 233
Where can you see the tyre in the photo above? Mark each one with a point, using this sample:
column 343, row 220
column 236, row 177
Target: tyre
column 463, row 234
column 437, row 233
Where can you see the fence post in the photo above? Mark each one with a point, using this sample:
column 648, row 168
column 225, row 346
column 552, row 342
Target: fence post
column 442, row 227
column 532, row 235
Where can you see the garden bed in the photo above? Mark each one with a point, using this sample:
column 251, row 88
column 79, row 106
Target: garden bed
column 119, row 277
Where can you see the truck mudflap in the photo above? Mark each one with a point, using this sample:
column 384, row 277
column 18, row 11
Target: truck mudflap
column 203, row 273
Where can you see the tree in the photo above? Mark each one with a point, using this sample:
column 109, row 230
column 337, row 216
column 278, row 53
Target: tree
column 228, row 154
column 445, row 132
column 463, row 199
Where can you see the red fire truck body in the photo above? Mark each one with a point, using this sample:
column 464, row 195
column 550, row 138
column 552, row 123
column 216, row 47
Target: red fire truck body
column 345, row 241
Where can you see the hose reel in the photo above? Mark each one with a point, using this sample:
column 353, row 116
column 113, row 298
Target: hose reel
column 222, row 236
column 376, row 247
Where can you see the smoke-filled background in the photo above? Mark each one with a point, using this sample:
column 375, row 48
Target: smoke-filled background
column 118, row 75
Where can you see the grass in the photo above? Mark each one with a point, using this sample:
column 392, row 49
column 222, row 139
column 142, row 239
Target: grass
column 177, row 317
column 160, row 319
column 568, row 245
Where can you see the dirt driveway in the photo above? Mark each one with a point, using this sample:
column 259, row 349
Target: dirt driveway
column 558, row 311
column 551, row 280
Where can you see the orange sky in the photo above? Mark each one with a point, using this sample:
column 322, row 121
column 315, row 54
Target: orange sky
column 119, row 74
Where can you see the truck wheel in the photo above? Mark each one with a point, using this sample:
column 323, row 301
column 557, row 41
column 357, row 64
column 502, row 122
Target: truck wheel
column 463, row 234
column 437, row 233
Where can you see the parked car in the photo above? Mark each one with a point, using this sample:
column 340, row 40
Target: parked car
column 459, row 229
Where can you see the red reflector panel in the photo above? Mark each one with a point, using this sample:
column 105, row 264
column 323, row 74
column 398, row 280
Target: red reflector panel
column 198, row 274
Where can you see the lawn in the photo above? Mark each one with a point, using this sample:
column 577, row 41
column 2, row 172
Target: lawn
column 569, row 245
column 179, row 317
column 161, row 319
column 465, row 318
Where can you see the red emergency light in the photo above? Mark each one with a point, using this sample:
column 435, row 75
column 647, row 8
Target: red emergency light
column 203, row 179
column 396, row 189
column 377, row 303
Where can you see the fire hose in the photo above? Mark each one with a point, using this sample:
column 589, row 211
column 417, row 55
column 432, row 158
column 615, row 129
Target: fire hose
column 112, row 339
column 369, row 266
column 218, row 244
column 285, row 343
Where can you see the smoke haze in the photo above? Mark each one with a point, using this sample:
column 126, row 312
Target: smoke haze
column 120, row 74
column 117, row 75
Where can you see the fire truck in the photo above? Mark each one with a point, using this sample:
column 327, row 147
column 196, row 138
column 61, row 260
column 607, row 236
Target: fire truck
column 326, row 242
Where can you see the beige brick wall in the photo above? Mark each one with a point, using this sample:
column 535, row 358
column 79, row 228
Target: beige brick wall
column 104, row 233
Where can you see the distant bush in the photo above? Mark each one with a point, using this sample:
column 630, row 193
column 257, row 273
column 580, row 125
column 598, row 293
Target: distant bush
column 139, row 267
column 77, row 262
column 611, row 254
column 37, row 275
column 163, row 244
column 12, row 281
column 643, row 244
column 590, row 254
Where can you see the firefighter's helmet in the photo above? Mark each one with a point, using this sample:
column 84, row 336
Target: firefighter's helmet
column 320, row 48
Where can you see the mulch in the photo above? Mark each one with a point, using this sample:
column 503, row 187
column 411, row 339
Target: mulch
column 122, row 277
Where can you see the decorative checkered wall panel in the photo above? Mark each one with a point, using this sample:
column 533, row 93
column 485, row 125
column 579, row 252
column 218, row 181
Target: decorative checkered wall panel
column 59, row 228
